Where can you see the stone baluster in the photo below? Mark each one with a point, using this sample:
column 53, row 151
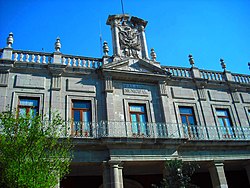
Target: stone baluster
column 15, row 56
column 38, row 59
column 33, row 58
column 27, row 58
column 79, row 62
column 74, row 62
column 21, row 57
column 44, row 59
column 68, row 61
column 64, row 61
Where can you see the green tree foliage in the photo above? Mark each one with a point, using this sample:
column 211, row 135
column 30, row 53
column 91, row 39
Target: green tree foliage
column 178, row 174
column 33, row 153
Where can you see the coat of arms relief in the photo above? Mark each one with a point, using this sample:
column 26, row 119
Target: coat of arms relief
column 129, row 38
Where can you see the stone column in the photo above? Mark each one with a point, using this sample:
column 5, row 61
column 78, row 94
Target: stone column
column 144, row 48
column 120, row 176
column 217, row 175
column 106, row 175
column 116, row 174
column 113, row 21
column 248, row 172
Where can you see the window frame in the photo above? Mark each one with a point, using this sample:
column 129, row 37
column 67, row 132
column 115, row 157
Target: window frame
column 69, row 116
column 86, row 129
column 225, row 124
column 191, row 128
column 28, row 108
column 39, row 96
column 138, row 124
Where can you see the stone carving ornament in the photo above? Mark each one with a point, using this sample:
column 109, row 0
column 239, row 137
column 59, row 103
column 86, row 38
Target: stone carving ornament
column 129, row 39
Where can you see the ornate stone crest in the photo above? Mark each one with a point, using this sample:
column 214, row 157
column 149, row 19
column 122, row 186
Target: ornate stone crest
column 129, row 39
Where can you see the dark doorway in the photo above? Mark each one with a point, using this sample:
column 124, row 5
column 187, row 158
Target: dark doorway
column 81, row 181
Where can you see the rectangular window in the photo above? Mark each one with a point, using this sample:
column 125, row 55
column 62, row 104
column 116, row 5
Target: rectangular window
column 138, row 119
column 28, row 106
column 225, row 123
column 81, row 114
column 188, row 120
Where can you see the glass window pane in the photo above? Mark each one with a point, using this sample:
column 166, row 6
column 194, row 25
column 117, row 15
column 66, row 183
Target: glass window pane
column 77, row 115
column 221, row 121
column 86, row 116
column 136, row 108
column 81, row 104
column 133, row 118
column 191, row 120
column 28, row 102
column 184, row 120
column 186, row 110
column 143, row 118
column 221, row 112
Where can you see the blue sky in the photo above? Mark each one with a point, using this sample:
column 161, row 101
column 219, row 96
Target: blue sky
column 208, row 29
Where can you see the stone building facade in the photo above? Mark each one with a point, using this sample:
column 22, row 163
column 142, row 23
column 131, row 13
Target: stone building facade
column 127, row 114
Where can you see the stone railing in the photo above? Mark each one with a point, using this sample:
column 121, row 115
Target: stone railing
column 154, row 130
column 178, row 71
column 32, row 57
column 53, row 58
column 211, row 75
column 241, row 78
column 183, row 72
column 80, row 61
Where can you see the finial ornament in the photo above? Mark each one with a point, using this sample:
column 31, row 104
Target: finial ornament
column 10, row 40
column 223, row 64
column 58, row 44
column 249, row 65
column 105, row 48
column 153, row 54
column 191, row 60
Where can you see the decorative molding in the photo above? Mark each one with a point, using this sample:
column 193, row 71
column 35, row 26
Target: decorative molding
column 201, row 94
column 28, row 81
column 235, row 97
column 245, row 97
column 4, row 78
column 79, row 86
column 182, row 93
column 108, row 84
column 218, row 96
column 56, row 82
column 163, row 89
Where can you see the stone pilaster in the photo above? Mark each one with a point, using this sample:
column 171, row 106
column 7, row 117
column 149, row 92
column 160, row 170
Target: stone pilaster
column 109, row 98
column 56, row 99
column 248, row 172
column 116, row 174
column 106, row 175
column 217, row 175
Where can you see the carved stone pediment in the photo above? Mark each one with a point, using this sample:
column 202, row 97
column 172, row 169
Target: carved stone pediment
column 135, row 65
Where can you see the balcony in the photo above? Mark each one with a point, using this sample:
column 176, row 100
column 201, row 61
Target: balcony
column 109, row 129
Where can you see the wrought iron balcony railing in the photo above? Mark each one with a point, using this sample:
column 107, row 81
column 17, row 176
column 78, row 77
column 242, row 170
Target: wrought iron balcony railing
column 105, row 129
